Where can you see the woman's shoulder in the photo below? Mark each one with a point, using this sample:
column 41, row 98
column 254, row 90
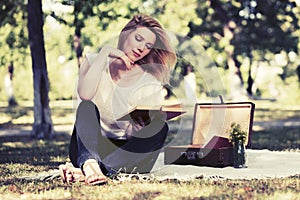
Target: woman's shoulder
column 91, row 57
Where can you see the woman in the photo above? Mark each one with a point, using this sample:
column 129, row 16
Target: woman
column 110, row 84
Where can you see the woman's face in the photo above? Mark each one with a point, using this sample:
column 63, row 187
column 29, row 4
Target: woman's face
column 139, row 43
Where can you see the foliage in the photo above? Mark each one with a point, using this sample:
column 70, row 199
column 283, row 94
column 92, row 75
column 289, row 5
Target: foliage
column 248, row 29
column 259, row 25
column 196, row 20
column 14, row 42
column 236, row 134
column 10, row 9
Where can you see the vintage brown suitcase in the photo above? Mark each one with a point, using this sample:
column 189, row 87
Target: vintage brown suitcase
column 209, row 143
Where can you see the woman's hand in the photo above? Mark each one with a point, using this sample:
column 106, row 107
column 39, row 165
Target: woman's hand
column 118, row 54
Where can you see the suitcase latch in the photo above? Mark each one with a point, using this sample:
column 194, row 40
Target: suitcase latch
column 192, row 155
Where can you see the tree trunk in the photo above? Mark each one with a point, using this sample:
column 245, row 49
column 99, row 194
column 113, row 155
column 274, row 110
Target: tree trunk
column 78, row 48
column 237, row 90
column 250, row 82
column 79, row 24
column 9, row 86
column 43, row 126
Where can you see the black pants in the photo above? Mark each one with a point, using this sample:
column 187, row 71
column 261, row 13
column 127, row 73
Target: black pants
column 137, row 154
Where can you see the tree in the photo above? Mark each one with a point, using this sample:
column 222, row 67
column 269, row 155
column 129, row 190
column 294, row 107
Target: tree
column 81, row 12
column 238, row 28
column 105, row 10
column 43, row 126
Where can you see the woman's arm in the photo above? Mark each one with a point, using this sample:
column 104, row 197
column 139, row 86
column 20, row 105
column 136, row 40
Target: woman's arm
column 90, row 72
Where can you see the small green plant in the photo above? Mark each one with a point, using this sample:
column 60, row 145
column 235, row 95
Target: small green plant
column 236, row 134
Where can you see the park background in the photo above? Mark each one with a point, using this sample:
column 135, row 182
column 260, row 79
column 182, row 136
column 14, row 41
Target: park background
column 257, row 41
column 252, row 48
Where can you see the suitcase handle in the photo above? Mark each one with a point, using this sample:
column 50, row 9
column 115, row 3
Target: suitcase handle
column 221, row 99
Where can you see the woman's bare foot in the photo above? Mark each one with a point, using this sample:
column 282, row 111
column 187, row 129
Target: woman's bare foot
column 93, row 173
column 70, row 174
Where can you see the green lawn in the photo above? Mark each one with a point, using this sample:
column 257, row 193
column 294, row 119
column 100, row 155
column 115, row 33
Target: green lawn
column 22, row 156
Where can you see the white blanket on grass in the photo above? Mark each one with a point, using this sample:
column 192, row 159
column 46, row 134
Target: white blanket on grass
column 262, row 164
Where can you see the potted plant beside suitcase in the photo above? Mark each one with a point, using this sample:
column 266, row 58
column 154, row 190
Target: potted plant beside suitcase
column 238, row 138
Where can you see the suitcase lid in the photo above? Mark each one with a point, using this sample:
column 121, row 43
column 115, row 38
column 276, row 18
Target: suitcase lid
column 214, row 120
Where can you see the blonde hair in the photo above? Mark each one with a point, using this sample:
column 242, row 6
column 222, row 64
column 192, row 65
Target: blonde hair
column 162, row 57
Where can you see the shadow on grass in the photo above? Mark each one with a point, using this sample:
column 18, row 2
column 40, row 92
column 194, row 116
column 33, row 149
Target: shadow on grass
column 25, row 149
column 266, row 114
column 16, row 111
column 24, row 156
column 276, row 139
column 24, row 115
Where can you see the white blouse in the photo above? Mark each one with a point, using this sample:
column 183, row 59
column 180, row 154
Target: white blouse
column 114, row 100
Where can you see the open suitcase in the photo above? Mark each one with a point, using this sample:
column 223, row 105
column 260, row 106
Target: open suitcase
column 209, row 143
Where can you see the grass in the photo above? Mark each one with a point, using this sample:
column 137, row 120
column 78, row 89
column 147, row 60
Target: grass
column 22, row 156
column 137, row 190
column 277, row 139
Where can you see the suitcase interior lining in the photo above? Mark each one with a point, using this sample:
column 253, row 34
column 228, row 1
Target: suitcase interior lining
column 215, row 120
